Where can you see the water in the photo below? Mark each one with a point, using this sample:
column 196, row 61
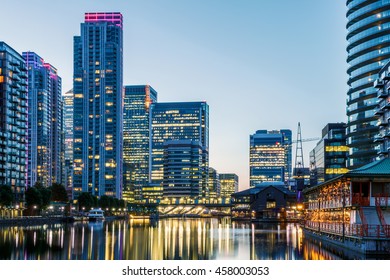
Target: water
column 167, row 239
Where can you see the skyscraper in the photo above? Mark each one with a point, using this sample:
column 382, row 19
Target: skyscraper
column 229, row 184
column 328, row 158
column 68, row 138
column 178, row 121
column 368, row 50
column 184, row 170
column 13, row 120
column 45, row 125
column 98, row 122
column 270, row 156
column 214, row 184
column 136, row 139
column 382, row 139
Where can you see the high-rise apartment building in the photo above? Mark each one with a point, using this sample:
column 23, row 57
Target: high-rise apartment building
column 13, row 120
column 178, row 121
column 270, row 156
column 45, row 145
column 368, row 50
column 98, row 106
column 229, row 184
column 136, row 139
column 328, row 158
column 382, row 139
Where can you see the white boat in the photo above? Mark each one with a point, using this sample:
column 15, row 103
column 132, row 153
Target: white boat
column 96, row 215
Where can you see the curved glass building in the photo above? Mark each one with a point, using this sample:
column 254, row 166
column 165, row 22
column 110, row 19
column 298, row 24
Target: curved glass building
column 368, row 50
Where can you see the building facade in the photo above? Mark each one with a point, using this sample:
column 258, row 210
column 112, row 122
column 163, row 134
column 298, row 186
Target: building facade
column 136, row 139
column 68, row 98
column 368, row 50
column 214, row 184
column 178, row 121
column 270, row 156
column 13, row 120
column 329, row 157
column 45, row 145
column 98, row 106
column 184, row 169
column 229, row 184
column 382, row 139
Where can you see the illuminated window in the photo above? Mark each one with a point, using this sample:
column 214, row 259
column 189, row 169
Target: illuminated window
column 271, row 204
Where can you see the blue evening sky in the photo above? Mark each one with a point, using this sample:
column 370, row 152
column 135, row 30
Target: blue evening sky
column 260, row 64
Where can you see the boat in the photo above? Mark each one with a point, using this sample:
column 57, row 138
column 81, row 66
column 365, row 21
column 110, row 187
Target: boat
column 96, row 215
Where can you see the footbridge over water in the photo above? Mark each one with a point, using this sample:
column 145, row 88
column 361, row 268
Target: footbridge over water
column 183, row 207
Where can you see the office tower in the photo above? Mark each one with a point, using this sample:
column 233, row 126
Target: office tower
column 98, row 122
column 178, row 121
column 270, row 156
column 183, row 169
column 45, row 145
column 13, row 120
column 68, row 138
column 214, row 185
column 382, row 139
column 329, row 157
column 229, row 184
column 136, row 139
column 368, row 50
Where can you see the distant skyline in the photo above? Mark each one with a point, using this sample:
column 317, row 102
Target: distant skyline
column 259, row 64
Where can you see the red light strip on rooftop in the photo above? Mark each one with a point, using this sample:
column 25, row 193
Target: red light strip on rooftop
column 115, row 18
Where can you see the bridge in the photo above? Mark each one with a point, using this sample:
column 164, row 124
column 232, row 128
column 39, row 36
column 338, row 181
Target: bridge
column 183, row 206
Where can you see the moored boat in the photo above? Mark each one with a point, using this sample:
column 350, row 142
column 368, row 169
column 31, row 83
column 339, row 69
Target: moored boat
column 96, row 215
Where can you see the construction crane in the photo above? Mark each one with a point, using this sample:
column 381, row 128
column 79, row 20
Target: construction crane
column 298, row 174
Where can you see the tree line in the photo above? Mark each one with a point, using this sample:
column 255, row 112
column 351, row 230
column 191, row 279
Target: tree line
column 41, row 197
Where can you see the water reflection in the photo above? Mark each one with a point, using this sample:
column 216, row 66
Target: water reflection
column 194, row 239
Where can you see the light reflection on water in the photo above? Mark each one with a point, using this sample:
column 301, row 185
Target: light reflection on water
column 194, row 239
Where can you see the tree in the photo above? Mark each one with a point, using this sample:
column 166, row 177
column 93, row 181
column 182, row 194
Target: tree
column 45, row 195
column 86, row 200
column 33, row 197
column 6, row 196
column 58, row 193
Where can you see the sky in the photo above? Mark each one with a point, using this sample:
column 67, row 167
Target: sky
column 259, row 64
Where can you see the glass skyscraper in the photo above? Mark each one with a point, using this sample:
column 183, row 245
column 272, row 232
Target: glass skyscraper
column 214, row 183
column 368, row 50
column 328, row 159
column 98, row 101
column 136, row 139
column 184, row 169
column 13, row 120
column 45, row 146
column 270, row 156
column 382, row 139
column 178, row 121
column 229, row 184
column 68, row 137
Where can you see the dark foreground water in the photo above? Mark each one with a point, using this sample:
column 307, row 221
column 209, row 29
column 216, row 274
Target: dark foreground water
column 170, row 239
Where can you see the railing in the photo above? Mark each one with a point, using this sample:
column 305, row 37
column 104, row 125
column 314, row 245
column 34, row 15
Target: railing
column 378, row 200
column 354, row 230
column 357, row 199
column 363, row 218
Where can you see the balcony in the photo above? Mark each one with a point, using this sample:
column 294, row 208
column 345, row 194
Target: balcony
column 386, row 76
column 378, row 83
column 378, row 138
column 382, row 93
column 379, row 112
column 381, row 123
